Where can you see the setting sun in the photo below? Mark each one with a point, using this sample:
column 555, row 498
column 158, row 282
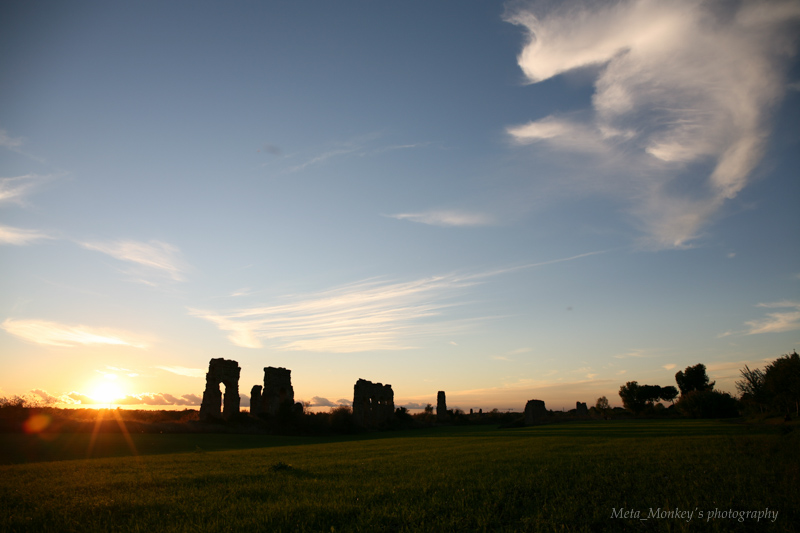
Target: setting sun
column 106, row 392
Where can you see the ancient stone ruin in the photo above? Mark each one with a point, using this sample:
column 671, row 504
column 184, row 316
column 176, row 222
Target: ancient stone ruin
column 535, row 412
column 373, row 403
column 581, row 409
column 223, row 371
column 277, row 390
column 441, row 407
column 255, row 400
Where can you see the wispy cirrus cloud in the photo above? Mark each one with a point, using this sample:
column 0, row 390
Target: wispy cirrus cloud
column 184, row 371
column 446, row 218
column 680, row 86
column 362, row 146
column 14, row 189
column 633, row 353
column 777, row 321
column 155, row 256
column 55, row 334
column 324, row 156
column 368, row 315
column 7, row 141
column 20, row 237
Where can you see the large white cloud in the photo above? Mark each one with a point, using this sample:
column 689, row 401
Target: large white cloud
column 680, row 85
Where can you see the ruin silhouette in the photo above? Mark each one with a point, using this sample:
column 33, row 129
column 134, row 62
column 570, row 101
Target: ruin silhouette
column 441, row 407
column 535, row 411
column 373, row 403
column 227, row 372
column 277, row 391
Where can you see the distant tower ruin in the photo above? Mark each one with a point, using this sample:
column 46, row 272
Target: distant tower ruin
column 255, row 400
column 227, row 372
column 535, row 411
column 441, row 407
column 581, row 409
column 277, row 389
column 373, row 403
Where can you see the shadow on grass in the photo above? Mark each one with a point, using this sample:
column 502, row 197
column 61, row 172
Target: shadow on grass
column 21, row 448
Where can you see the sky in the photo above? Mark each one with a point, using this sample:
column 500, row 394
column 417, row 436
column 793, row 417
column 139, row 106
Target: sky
column 503, row 201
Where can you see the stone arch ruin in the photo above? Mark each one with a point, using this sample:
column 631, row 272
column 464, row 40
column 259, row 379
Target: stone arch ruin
column 373, row 403
column 226, row 372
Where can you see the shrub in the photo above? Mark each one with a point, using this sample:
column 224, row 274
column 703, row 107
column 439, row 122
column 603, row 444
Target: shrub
column 708, row 404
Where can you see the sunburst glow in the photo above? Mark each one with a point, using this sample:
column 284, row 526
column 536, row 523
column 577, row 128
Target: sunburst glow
column 107, row 392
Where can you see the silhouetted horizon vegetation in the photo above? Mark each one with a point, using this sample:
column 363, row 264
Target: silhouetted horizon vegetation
column 773, row 391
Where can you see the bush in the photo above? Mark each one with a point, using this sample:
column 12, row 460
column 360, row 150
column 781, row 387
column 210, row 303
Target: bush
column 341, row 420
column 708, row 404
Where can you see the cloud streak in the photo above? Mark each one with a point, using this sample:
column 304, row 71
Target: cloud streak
column 359, row 146
column 363, row 316
column 446, row 218
column 778, row 321
column 7, row 141
column 19, row 236
column 680, row 86
column 13, row 190
column 184, row 371
column 55, row 334
column 155, row 255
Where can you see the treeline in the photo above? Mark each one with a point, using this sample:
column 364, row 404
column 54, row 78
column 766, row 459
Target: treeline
column 775, row 390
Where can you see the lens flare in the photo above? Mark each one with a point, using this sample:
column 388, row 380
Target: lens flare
column 36, row 423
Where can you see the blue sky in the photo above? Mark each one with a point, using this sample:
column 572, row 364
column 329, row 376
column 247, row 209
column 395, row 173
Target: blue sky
column 502, row 201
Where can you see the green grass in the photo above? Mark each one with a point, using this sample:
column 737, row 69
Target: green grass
column 565, row 477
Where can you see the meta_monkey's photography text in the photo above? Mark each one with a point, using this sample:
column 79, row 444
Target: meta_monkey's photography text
column 688, row 515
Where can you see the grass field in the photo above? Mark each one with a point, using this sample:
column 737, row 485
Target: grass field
column 564, row 477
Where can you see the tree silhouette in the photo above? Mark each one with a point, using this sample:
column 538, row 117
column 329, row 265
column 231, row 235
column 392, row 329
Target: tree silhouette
column 752, row 387
column 782, row 383
column 649, row 393
column 630, row 397
column 694, row 378
column 669, row 393
column 708, row 404
column 602, row 406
